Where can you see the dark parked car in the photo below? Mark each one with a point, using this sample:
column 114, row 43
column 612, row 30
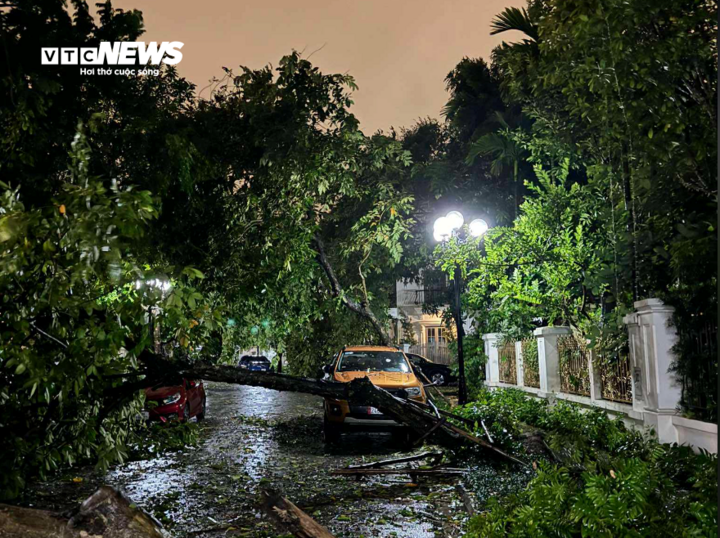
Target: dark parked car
column 254, row 364
column 439, row 374
column 177, row 402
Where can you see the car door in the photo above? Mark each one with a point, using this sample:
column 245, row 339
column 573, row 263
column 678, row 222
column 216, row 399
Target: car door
column 192, row 388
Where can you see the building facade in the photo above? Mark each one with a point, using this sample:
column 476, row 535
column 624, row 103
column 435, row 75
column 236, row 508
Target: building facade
column 418, row 316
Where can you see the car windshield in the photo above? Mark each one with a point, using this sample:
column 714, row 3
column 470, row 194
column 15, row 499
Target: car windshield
column 373, row 361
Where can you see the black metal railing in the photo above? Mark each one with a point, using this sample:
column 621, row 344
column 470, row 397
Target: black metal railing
column 616, row 377
column 508, row 367
column 574, row 367
column 699, row 371
column 425, row 296
column 531, row 366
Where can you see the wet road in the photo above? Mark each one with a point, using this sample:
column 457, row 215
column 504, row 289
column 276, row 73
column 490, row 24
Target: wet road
column 254, row 438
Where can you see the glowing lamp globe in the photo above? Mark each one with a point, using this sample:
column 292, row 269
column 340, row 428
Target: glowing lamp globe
column 455, row 219
column 478, row 227
column 442, row 229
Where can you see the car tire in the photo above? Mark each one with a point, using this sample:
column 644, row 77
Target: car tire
column 201, row 414
column 438, row 378
column 186, row 412
column 331, row 432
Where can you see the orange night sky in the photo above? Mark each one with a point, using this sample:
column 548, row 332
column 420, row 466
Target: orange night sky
column 399, row 51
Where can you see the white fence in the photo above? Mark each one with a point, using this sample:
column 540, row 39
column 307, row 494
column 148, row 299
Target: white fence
column 436, row 353
column 654, row 396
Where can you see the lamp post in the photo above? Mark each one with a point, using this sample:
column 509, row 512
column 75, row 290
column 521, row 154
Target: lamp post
column 451, row 225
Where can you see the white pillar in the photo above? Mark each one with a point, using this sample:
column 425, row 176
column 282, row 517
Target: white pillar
column 492, row 366
column 656, row 392
column 548, row 357
column 519, row 365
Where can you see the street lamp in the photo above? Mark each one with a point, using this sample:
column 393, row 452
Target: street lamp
column 451, row 225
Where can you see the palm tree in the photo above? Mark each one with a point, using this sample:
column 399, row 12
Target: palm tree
column 513, row 18
column 504, row 151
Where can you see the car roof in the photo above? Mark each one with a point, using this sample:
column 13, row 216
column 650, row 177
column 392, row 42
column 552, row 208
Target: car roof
column 371, row 348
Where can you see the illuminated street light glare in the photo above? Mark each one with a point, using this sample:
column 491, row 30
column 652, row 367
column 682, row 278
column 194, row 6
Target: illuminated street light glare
column 442, row 229
column 455, row 219
column 163, row 285
column 478, row 227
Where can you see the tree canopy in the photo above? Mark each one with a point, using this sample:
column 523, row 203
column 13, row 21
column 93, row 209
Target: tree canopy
column 137, row 218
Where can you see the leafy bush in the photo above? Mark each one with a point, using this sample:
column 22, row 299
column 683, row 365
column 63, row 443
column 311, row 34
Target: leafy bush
column 611, row 480
column 633, row 499
column 502, row 412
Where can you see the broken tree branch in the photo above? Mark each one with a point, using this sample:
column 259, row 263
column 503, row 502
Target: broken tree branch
column 440, row 423
column 435, row 455
column 467, row 501
column 430, row 384
column 362, row 309
column 289, row 518
column 407, row 470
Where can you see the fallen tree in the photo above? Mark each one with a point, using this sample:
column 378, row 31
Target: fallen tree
column 360, row 391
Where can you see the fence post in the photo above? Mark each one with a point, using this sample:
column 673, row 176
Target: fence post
column 656, row 392
column 519, row 364
column 595, row 376
column 492, row 366
column 548, row 357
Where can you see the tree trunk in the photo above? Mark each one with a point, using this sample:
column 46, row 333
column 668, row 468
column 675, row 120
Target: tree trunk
column 631, row 226
column 107, row 513
column 362, row 309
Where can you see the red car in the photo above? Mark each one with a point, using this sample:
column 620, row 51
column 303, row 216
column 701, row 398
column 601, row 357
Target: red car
column 179, row 402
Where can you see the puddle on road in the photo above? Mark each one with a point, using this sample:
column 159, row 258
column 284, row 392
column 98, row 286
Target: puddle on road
column 254, row 438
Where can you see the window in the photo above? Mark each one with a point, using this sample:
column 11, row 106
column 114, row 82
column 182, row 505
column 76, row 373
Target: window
column 435, row 336
column 373, row 361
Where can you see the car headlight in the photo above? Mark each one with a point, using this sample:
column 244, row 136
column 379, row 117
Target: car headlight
column 172, row 399
column 413, row 391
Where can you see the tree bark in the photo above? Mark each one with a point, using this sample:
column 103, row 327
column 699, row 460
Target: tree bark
column 107, row 513
column 289, row 518
column 362, row 309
